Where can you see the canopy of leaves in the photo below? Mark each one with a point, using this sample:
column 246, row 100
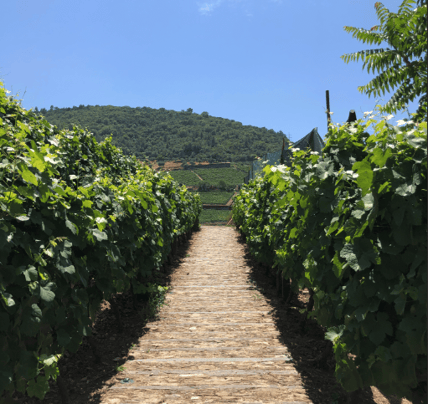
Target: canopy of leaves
column 404, row 63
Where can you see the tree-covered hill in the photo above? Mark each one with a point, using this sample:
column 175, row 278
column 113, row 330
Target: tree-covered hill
column 167, row 135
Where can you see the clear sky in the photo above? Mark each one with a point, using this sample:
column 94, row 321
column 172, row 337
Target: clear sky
column 266, row 63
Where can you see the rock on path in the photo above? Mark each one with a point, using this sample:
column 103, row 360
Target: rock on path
column 214, row 342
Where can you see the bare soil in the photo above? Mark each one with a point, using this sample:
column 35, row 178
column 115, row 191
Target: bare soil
column 223, row 336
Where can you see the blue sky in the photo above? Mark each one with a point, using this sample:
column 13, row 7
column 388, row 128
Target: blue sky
column 265, row 63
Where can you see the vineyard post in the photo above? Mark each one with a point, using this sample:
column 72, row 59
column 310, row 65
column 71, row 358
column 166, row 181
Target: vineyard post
column 327, row 98
column 352, row 117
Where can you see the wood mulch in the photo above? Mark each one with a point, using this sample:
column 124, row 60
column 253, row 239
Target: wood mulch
column 223, row 336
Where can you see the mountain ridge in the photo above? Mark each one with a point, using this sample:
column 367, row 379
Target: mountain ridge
column 166, row 135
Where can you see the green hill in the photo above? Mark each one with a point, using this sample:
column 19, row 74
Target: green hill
column 164, row 135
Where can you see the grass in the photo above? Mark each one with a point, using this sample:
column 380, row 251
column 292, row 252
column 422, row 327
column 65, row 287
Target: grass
column 214, row 215
column 221, row 197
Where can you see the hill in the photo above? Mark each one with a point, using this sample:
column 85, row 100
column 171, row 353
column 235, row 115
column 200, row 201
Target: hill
column 162, row 135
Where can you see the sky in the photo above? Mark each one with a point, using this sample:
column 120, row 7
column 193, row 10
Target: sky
column 266, row 63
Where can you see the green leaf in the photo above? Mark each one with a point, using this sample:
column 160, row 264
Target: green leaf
column 383, row 353
column 63, row 337
column 27, row 367
column 38, row 387
column 400, row 304
column 26, row 191
column 45, row 193
column 7, row 299
column 337, row 267
column 46, row 293
column 99, row 235
column 365, row 175
column 72, row 227
column 27, row 175
column 382, row 328
column 379, row 156
column 37, row 161
column 87, row 203
column 349, row 255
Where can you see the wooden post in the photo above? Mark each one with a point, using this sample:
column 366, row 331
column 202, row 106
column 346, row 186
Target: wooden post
column 327, row 98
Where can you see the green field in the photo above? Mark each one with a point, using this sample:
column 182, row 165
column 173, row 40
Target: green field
column 213, row 176
column 214, row 215
column 185, row 177
column 220, row 197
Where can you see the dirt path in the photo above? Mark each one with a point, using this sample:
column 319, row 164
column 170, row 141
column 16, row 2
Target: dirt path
column 215, row 341
column 197, row 175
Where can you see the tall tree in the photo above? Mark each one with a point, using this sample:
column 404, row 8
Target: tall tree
column 406, row 33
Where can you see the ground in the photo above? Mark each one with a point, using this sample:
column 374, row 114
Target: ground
column 89, row 382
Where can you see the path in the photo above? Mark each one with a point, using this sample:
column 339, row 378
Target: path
column 214, row 342
column 197, row 175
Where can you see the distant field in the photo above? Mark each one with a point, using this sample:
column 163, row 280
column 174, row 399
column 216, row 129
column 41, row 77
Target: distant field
column 213, row 215
column 213, row 176
column 185, row 177
column 221, row 197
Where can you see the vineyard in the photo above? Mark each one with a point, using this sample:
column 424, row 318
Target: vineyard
column 229, row 176
column 212, row 197
column 219, row 178
column 83, row 225
column 212, row 215
column 349, row 224
column 80, row 223
column 186, row 177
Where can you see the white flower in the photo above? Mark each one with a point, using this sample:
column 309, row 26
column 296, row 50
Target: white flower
column 403, row 122
column 350, row 172
column 314, row 152
column 367, row 113
column 294, row 150
column 7, row 92
column 389, row 117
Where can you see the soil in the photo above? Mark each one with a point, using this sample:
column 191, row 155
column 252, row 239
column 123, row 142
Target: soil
column 223, row 336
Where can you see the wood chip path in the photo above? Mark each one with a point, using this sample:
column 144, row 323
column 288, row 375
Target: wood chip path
column 214, row 342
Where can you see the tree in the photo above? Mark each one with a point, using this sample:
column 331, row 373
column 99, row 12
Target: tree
column 405, row 32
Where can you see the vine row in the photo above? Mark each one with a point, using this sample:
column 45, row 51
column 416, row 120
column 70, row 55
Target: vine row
column 349, row 224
